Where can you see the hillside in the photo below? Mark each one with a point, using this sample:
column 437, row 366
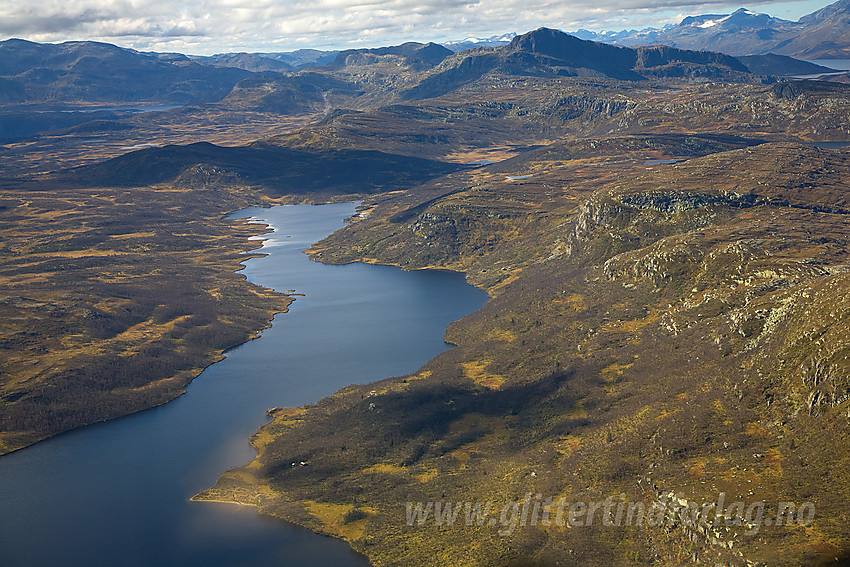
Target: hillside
column 85, row 71
column 781, row 65
column 417, row 56
column 551, row 53
column 276, row 169
column 656, row 330
column 246, row 61
column 50, row 87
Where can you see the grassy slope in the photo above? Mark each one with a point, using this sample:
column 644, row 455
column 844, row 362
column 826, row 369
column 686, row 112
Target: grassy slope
column 114, row 299
column 660, row 328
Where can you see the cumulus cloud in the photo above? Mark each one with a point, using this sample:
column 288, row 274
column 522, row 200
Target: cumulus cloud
column 205, row 26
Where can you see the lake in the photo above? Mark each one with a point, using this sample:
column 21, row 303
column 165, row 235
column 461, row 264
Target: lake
column 117, row 493
column 839, row 64
column 133, row 109
column 829, row 145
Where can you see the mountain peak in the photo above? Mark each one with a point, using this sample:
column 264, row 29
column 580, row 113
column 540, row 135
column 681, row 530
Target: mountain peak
column 541, row 37
column 414, row 53
column 555, row 43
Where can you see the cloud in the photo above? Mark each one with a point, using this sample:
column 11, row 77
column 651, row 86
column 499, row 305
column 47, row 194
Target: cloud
column 257, row 25
column 84, row 19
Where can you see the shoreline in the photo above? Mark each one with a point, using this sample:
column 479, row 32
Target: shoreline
column 13, row 441
column 182, row 379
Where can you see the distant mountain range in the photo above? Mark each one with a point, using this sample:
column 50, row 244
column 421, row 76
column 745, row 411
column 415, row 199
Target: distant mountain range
column 91, row 72
column 470, row 42
column 551, row 53
column 87, row 71
column 282, row 61
column 824, row 34
column 247, row 61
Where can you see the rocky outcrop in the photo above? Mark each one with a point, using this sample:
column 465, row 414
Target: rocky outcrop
column 676, row 202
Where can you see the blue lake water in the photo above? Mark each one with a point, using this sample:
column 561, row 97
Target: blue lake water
column 117, row 493
column 829, row 145
column 839, row 64
column 133, row 109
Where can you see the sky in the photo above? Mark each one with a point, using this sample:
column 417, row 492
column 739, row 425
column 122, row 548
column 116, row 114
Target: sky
column 205, row 27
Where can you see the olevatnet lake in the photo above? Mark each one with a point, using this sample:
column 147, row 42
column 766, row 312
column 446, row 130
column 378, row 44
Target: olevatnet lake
column 117, row 493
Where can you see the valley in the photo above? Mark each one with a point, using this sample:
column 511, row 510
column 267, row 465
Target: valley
column 662, row 241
